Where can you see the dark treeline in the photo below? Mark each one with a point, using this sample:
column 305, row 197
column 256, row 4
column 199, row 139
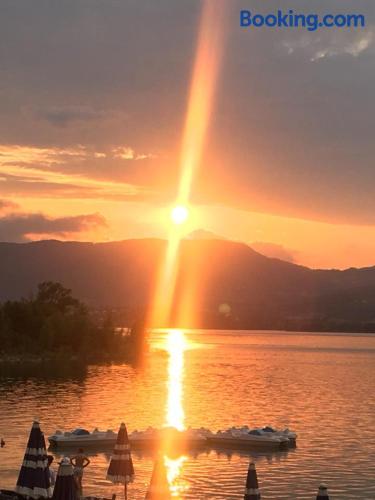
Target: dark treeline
column 55, row 322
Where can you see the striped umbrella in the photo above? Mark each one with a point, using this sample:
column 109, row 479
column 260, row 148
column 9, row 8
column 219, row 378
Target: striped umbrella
column 322, row 493
column 159, row 486
column 65, row 487
column 252, row 489
column 121, row 468
column 33, row 480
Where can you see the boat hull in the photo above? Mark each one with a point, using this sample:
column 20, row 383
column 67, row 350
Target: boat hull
column 250, row 444
column 82, row 443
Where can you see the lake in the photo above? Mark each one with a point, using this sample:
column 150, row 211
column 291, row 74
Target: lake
column 320, row 385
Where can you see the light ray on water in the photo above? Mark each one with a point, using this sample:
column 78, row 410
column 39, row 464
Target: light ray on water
column 174, row 468
column 175, row 345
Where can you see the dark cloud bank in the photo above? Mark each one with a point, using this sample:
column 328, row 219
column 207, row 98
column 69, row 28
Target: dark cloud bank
column 17, row 227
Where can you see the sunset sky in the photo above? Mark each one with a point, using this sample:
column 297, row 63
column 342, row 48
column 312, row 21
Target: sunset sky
column 93, row 103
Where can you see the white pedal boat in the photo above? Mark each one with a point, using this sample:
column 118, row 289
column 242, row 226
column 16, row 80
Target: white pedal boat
column 82, row 438
column 267, row 430
column 292, row 436
column 251, row 439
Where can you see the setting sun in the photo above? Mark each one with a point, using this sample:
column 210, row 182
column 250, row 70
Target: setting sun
column 179, row 214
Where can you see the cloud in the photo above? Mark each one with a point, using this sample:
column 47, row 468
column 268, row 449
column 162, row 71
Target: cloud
column 61, row 116
column 331, row 44
column 25, row 227
column 6, row 205
column 77, row 189
column 78, row 171
column 28, row 155
column 353, row 47
column 127, row 153
column 77, row 159
column 273, row 250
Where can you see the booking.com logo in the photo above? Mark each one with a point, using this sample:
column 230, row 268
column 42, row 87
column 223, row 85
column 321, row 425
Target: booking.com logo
column 290, row 19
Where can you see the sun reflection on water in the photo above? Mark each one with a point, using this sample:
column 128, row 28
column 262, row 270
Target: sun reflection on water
column 176, row 345
column 174, row 469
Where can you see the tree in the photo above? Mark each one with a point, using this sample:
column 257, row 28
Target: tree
column 56, row 322
column 54, row 295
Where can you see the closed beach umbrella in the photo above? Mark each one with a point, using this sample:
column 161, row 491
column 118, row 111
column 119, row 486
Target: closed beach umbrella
column 159, row 486
column 322, row 493
column 121, row 468
column 252, row 489
column 65, row 487
column 33, row 480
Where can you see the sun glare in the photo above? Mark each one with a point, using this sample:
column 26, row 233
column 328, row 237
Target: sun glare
column 206, row 68
column 174, row 468
column 179, row 214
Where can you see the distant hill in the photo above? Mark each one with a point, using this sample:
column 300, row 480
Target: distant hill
column 237, row 286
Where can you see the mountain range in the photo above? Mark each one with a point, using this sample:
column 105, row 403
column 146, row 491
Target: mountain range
column 236, row 287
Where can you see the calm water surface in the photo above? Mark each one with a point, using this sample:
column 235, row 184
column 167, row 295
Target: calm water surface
column 322, row 386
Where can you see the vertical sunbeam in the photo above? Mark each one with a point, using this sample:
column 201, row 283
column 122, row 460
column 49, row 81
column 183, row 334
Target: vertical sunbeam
column 206, row 69
column 201, row 97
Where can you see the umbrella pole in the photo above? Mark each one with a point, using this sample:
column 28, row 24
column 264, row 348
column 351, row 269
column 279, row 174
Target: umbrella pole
column 126, row 490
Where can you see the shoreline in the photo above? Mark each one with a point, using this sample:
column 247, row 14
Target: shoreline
column 69, row 358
